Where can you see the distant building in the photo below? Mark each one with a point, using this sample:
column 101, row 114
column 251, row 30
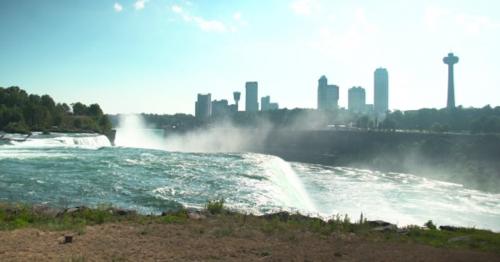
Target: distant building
column 236, row 97
column 369, row 108
column 220, row 108
column 450, row 60
column 233, row 108
column 357, row 100
column 251, row 97
column 203, row 107
column 266, row 105
column 381, row 91
column 328, row 95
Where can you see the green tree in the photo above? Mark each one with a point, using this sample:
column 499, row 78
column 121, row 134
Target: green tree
column 79, row 109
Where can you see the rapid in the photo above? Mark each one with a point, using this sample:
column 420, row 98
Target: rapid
column 140, row 172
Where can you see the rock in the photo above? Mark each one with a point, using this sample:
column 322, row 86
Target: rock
column 459, row 239
column 386, row 228
column 346, row 237
column 66, row 239
column 402, row 231
column 379, row 223
column 449, row 228
column 382, row 226
column 45, row 210
column 196, row 216
column 282, row 216
column 71, row 211
column 122, row 212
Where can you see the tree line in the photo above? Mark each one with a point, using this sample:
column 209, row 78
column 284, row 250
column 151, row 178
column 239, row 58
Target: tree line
column 21, row 112
column 484, row 120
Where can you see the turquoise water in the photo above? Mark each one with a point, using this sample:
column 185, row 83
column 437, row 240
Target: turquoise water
column 72, row 170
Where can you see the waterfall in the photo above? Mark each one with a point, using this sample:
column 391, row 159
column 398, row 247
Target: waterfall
column 91, row 141
column 293, row 192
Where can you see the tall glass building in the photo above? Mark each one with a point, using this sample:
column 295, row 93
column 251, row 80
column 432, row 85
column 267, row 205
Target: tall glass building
column 381, row 91
column 251, row 97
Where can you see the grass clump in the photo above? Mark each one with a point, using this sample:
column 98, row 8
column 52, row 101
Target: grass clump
column 177, row 217
column 16, row 216
column 215, row 207
column 469, row 238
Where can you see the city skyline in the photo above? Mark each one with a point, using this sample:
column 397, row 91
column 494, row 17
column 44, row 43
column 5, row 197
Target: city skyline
column 156, row 54
column 327, row 98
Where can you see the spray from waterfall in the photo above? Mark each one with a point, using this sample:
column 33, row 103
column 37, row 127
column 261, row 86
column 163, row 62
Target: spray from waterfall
column 133, row 132
column 292, row 191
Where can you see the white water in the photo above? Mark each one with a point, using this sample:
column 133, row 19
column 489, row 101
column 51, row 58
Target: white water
column 90, row 141
column 292, row 189
column 58, row 166
column 132, row 132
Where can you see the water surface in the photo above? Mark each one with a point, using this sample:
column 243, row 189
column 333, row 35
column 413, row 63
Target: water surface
column 70, row 170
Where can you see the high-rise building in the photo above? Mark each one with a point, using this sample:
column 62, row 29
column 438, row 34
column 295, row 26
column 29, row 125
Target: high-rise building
column 265, row 101
column 203, row 107
column 328, row 95
column 266, row 105
column 381, row 91
column 357, row 99
column 220, row 108
column 251, row 97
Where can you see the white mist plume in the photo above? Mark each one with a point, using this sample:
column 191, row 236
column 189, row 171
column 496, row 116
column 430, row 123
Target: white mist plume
column 221, row 137
column 133, row 132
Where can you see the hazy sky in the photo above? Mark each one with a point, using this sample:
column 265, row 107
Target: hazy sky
column 156, row 55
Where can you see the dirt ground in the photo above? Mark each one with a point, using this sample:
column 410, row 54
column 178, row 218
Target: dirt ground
column 207, row 241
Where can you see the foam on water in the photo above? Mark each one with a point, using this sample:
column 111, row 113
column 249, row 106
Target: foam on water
column 154, row 180
column 400, row 198
column 38, row 140
column 58, row 169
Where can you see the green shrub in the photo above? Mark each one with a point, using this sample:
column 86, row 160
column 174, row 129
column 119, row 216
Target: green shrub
column 176, row 217
column 430, row 225
column 215, row 206
column 17, row 127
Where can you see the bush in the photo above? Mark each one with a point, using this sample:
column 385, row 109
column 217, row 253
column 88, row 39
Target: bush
column 176, row 217
column 430, row 225
column 17, row 127
column 215, row 206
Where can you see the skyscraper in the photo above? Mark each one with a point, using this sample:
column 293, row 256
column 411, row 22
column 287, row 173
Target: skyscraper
column 266, row 105
column 203, row 107
column 251, row 97
column 381, row 91
column 220, row 108
column 357, row 99
column 265, row 101
column 328, row 95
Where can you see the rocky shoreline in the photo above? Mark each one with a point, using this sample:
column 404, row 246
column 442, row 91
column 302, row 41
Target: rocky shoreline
column 41, row 232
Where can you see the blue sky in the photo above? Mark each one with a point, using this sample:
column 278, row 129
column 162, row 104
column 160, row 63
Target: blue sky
column 156, row 55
